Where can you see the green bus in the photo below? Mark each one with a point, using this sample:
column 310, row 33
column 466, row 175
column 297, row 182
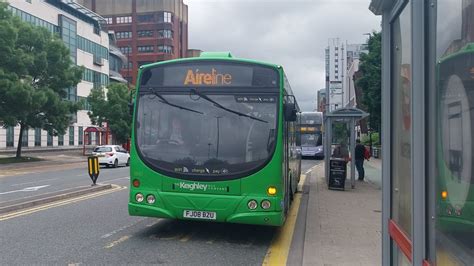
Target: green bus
column 214, row 139
column 455, row 150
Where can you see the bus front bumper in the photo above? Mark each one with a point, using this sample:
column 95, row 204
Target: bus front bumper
column 271, row 218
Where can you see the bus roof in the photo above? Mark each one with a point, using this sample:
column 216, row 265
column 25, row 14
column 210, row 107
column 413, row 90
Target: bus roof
column 224, row 56
column 316, row 117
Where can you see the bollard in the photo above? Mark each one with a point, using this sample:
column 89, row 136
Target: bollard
column 93, row 167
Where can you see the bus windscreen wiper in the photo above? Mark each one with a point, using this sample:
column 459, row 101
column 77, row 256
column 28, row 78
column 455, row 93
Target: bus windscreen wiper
column 216, row 104
column 163, row 100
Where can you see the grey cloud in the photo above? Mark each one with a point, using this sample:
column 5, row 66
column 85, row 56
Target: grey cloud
column 291, row 33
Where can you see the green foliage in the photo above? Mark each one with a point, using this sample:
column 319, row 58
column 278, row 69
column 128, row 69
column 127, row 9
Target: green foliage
column 114, row 110
column 375, row 139
column 35, row 70
column 371, row 80
column 98, row 104
column 340, row 133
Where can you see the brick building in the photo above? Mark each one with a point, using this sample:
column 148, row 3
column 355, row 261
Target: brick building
column 147, row 30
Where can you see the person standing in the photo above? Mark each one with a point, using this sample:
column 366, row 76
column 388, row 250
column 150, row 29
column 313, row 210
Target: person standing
column 360, row 156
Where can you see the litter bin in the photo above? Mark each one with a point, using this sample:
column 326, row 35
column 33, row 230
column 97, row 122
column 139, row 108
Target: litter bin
column 376, row 152
column 337, row 173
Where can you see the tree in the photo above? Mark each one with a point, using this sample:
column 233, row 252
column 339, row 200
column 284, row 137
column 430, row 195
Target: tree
column 35, row 71
column 112, row 109
column 370, row 80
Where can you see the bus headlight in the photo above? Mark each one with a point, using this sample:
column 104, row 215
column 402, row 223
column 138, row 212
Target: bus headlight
column 265, row 204
column 271, row 191
column 139, row 197
column 252, row 204
column 150, row 199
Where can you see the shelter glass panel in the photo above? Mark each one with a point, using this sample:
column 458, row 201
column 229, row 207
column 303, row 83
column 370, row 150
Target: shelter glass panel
column 454, row 157
column 401, row 128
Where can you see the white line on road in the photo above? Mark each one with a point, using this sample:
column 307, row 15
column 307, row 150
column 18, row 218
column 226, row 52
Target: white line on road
column 122, row 228
column 38, row 181
column 125, row 177
column 28, row 189
column 310, row 169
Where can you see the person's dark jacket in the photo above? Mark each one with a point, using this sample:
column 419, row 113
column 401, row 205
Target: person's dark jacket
column 359, row 152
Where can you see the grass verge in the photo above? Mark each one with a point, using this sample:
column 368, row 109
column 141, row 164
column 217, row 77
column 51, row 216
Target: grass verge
column 7, row 160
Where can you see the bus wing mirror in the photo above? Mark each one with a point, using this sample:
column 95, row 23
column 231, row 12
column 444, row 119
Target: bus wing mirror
column 289, row 107
column 290, row 112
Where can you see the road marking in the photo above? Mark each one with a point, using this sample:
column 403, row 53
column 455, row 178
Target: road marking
column 125, row 177
column 187, row 237
column 122, row 228
column 311, row 169
column 211, row 241
column 277, row 253
column 116, row 242
column 27, row 189
column 59, row 203
column 155, row 222
column 301, row 183
column 38, row 181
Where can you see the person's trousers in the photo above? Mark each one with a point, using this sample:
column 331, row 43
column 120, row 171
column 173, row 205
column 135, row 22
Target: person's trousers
column 360, row 168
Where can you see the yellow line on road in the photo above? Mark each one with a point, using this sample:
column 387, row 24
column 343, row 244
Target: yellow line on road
column 116, row 242
column 59, row 203
column 277, row 253
column 299, row 187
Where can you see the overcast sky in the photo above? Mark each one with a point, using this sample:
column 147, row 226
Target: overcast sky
column 292, row 33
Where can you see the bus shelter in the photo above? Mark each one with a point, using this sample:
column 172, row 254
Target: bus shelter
column 427, row 131
column 340, row 138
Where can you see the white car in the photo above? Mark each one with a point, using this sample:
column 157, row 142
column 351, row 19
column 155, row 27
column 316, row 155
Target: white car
column 112, row 155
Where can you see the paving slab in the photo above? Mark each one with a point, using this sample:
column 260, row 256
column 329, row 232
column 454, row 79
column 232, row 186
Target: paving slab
column 342, row 227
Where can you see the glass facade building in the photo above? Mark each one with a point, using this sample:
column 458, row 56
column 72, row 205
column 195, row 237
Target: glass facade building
column 80, row 30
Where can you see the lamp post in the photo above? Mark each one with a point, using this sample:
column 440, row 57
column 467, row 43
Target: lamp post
column 370, row 139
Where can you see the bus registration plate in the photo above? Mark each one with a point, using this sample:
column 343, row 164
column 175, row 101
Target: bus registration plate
column 199, row 215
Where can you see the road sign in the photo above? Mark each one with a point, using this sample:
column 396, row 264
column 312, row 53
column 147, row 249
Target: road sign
column 93, row 167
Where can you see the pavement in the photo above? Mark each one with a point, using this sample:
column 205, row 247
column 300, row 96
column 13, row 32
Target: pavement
column 344, row 227
column 57, row 160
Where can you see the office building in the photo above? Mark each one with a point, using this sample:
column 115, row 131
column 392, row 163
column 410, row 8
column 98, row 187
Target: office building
column 340, row 58
column 321, row 102
column 147, row 31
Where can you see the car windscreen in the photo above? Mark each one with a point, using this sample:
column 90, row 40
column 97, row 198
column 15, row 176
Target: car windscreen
column 205, row 133
column 103, row 149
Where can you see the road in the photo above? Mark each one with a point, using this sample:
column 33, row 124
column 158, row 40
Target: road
column 98, row 230
column 15, row 187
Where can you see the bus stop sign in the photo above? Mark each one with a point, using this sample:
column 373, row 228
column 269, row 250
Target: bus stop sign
column 93, row 167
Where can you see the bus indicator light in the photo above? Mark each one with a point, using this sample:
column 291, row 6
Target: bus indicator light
column 444, row 194
column 136, row 183
column 271, row 191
